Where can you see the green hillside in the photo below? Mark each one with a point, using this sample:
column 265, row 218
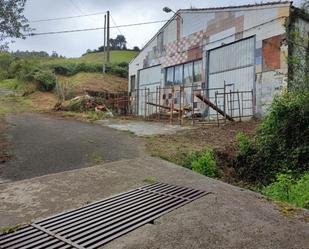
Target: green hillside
column 116, row 56
column 72, row 76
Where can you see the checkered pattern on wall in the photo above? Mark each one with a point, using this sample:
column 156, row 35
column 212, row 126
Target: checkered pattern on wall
column 178, row 52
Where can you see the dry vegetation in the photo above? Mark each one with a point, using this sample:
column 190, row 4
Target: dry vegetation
column 222, row 139
column 94, row 81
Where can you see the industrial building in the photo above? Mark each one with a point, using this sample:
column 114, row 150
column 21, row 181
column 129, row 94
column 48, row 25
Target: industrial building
column 234, row 57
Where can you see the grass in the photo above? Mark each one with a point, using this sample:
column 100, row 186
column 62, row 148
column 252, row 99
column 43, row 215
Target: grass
column 36, row 102
column 288, row 189
column 5, row 152
column 96, row 158
column 10, row 229
column 177, row 147
column 150, row 180
column 116, row 56
column 17, row 86
column 93, row 81
column 14, row 104
column 11, row 84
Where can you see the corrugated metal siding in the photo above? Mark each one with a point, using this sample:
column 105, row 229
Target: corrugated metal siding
column 233, row 64
column 237, row 55
column 149, row 78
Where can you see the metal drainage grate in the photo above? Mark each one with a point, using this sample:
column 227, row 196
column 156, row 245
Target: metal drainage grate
column 96, row 224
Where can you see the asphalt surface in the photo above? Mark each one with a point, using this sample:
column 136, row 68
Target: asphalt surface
column 43, row 144
column 228, row 218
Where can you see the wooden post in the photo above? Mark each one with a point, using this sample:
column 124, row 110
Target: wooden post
column 231, row 103
column 180, row 111
column 172, row 106
column 239, row 105
column 145, row 104
column 104, row 46
column 224, row 103
column 107, row 38
column 192, row 101
column 216, row 101
column 159, row 103
column 148, row 98
column 252, row 102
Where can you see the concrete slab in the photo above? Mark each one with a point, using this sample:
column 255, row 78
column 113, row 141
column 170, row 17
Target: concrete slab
column 142, row 128
column 231, row 217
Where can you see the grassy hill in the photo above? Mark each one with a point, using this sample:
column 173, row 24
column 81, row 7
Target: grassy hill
column 116, row 56
column 73, row 75
column 95, row 80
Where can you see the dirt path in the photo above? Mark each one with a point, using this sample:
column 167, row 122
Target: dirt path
column 43, row 144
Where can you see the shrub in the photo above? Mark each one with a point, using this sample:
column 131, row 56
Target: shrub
column 46, row 80
column 20, row 68
column 285, row 188
column 69, row 69
column 244, row 143
column 205, row 164
column 123, row 64
column 5, row 62
column 62, row 70
column 281, row 142
column 119, row 71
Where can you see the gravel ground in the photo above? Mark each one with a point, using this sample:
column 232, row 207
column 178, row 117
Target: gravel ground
column 43, row 144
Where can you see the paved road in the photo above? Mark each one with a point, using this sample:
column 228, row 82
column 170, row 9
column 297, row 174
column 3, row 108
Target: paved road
column 45, row 144
column 230, row 218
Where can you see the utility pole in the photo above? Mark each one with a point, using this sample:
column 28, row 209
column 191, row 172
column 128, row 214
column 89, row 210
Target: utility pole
column 104, row 46
column 107, row 37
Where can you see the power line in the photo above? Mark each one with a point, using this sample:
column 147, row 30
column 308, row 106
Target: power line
column 92, row 29
column 67, row 17
column 113, row 20
column 82, row 10
column 76, row 6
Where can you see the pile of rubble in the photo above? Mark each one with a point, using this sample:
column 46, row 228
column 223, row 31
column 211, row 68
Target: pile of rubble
column 82, row 104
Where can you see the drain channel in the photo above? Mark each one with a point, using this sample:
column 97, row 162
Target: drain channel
column 94, row 225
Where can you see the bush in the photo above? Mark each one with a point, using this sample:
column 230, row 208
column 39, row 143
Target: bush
column 281, row 142
column 244, row 143
column 119, row 71
column 21, row 68
column 285, row 188
column 46, row 80
column 123, row 64
column 5, row 62
column 69, row 69
column 205, row 164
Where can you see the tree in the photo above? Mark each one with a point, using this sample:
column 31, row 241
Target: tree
column 118, row 43
column 112, row 44
column 297, row 40
column 54, row 54
column 13, row 24
column 121, row 42
column 136, row 48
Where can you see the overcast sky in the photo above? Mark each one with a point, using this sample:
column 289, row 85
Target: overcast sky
column 122, row 11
